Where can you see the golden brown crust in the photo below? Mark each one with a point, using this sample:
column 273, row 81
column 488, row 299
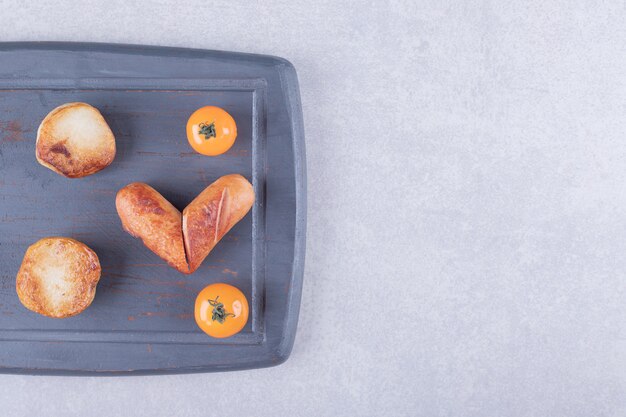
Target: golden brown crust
column 213, row 213
column 146, row 214
column 58, row 277
column 74, row 140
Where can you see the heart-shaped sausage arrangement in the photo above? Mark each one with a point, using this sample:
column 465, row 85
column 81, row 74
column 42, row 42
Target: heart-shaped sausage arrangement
column 58, row 275
column 184, row 240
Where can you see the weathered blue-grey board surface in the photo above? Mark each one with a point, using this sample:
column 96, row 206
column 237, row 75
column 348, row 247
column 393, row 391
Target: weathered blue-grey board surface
column 141, row 320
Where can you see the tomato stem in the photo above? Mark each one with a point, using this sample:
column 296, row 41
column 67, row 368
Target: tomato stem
column 208, row 130
column 219, row 312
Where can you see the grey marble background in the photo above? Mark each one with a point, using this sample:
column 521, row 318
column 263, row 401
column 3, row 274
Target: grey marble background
column 467, row 207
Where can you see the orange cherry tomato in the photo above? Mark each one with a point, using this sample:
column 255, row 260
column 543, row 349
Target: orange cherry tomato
column 211, row 131
column 221, row 310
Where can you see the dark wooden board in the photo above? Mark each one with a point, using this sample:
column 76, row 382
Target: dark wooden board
column 141, row 320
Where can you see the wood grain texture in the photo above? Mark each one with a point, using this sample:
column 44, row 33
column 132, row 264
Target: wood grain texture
column 140, row 301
